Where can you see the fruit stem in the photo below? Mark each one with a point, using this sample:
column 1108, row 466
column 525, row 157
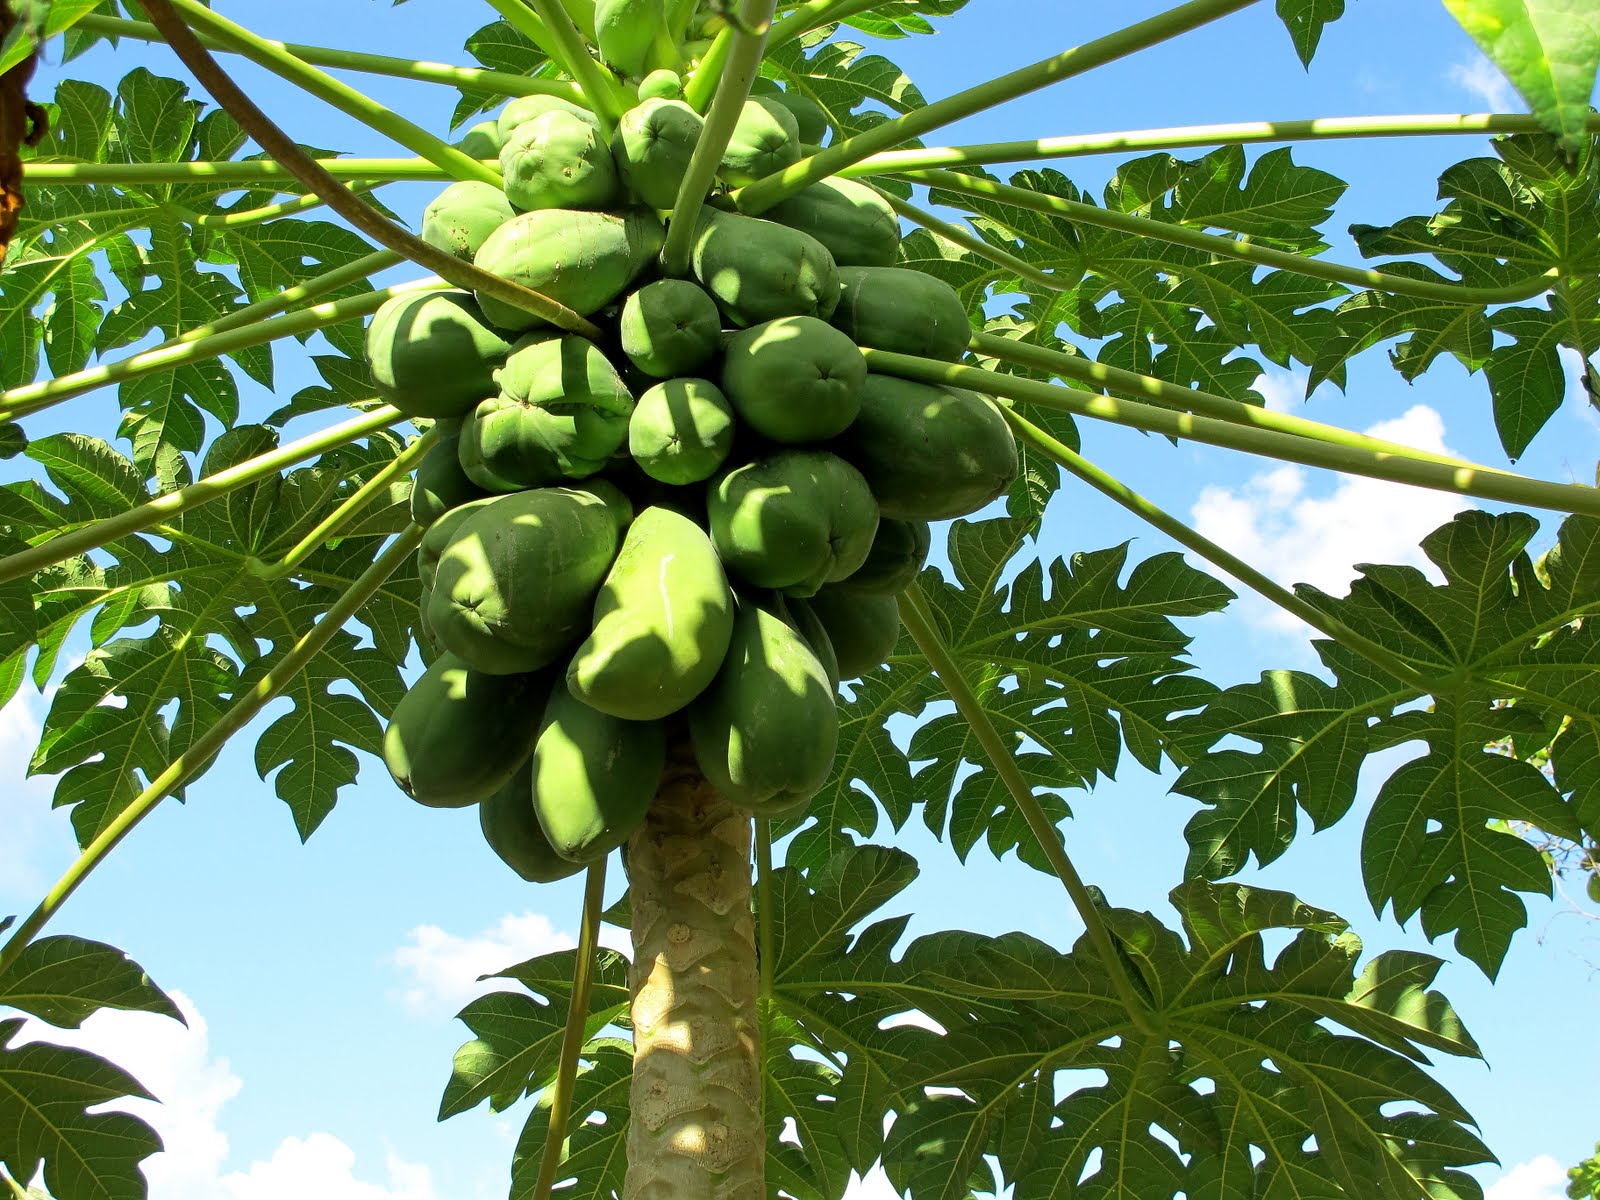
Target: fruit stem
column 205, row 747
column 572, row 1037
column 500, row 83
column 99, row 533
column 920, row 622
column 733, row 88
column 968, row 240
column 602, row 88
column 275, row 58
column 702, row 82
column 1210, row 243
column 1467, row 480
column 1285, row 599
column 763, row 194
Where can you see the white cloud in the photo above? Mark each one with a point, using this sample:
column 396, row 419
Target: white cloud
column 444, row 967
column 1486, row 81
column 1543, row 1178
column 319, row 1167
column 1272, row 520
column 875, row 1186
column 1284, row 391
column 38, row 839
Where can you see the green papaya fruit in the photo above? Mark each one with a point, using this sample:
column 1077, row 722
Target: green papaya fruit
column 460, row 218
column 670, row 327
column 433, row 354
column 792, row 520
column 561, row 413
column 583, row 259
column 851, row 219
column 804, row 622
column 513, row 832
column 440, row 484
column 594, row 776
column 681, row 430
column 438, row 537
column 766, row 729
column 899, row 551
column 514, row 586
column 481, row 141
column 652, row 146
column 460, row 734
column 862, row 628
column 558, row 160
column 810, row 119
column 794, row 379
column 663, row 84
column 765, row 139
column 906, row 311
column 759, row 270
column 526, row 108
column 661, row 621
column 929, row 452
column 624, row 30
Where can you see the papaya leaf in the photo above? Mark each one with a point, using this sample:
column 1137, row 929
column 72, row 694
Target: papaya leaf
column 63, row 980
column 902, row 19
column 843, row 78
column 597, row 1142
column 1304, row 19
column 499, row 46
column 86, row 1155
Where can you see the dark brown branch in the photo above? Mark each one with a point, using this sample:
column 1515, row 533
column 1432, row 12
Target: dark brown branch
column 341, row 199
column 22, row 123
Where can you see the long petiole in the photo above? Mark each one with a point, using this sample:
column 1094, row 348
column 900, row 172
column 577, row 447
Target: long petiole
column 733, row 88
column 919, row 622
column 1468, row 480
column 228, row 171
column 605, row 93
column 763, row 194
column 501, row 83
column 1244, row 250
column 1185, row 536
column 572, row 1037
column 162, row 508
column 208, row 744
column 968, row 240
column 1131, row 383
column 1188, row 136
column 256, row 216
column 814, row 15
column 325, row 87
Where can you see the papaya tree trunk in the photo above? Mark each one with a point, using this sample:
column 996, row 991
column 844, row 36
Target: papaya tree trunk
column 696, row 1129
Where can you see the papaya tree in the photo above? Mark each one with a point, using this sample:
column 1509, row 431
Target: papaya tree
column 703, row 458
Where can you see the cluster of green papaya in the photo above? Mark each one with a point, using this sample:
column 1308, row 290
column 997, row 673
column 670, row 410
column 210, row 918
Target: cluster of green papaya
column 703, row 517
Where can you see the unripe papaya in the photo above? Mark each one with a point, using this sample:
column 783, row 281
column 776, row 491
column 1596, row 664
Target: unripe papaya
column 661, row 622
column 594, row 776
column 558, row 160
column 804, row 622
column 482, row 141
column 583, row 259
column 514, row 587
column 862, row 628
column 526, row 108
column 428, row 550
column 811, row 121
column 440, row 484
column 681, row 430
column 794, row 379
column 766, row 729
column 460, row 734
column 765, row 139
column 561, row 413
column 513, row 832
column 670, row 327
column 851, row 219
column 792, row 520
column 663, row 84
column 624, row 30
column 433, row 354
column 652, row 146
column 758, row 270
column 929, row 452
column 899, row 551
column 905, row 311
column 461, row 218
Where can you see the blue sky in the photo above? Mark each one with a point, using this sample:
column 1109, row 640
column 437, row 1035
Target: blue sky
column 321, row 980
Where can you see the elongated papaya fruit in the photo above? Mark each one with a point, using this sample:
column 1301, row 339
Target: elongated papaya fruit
column 526, row 108
column 513, row 832
column 661, row 622
column 862, row 628
column 433, row 354
column 852, row 220
column 624, row 31
column 906, row 311
column 652, row 146
column 899, row 551
column 594, row 776
column 757, row 270
column 765, row 139
column 440, row 483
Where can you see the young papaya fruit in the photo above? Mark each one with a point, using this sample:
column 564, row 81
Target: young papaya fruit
column 681, row 430
column 481, row 141
column 670, row 327
column 594, row 776
column 652, row 146
column 792, row 520
column 561, row 413
column 862, row 628
column 794, row 379
column 766, row 729
column 460, row 734
column 459, row 219
column 433, row 354
column 929, row 452
column 440, row 484
column 758, row 270
column 851, row 219
column 765, row 139
column 899, row 552
column 905, row 311
column 804, row 622
column 662, row 84
column 513, row 832
column 661, row 621
column 583, row 259
column 438, row 537
column 624, row 30
column 526, row 108
column 558, row 160
column 810, row 120
column 514, row 586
